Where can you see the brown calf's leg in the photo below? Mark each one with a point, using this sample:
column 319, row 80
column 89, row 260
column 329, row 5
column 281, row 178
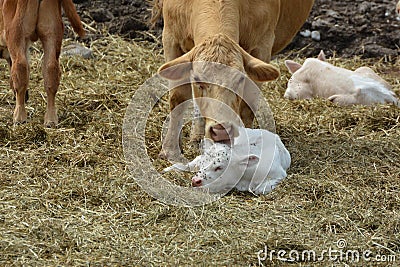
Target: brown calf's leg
column 19, row 75
column 51, row 75
column 50, row 30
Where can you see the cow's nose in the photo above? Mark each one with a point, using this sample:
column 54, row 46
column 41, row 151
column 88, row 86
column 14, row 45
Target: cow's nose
column 221, row 132
column 196, row 181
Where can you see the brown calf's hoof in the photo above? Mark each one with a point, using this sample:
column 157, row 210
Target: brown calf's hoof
column 20, row 115
column 50, row 120
column 50, row 124
column 17, row 123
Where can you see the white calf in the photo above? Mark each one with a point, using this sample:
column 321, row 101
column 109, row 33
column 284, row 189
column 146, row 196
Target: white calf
column 317, row 78
column 256, row 162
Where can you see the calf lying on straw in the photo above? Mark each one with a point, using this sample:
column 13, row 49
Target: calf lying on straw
column 256, row 162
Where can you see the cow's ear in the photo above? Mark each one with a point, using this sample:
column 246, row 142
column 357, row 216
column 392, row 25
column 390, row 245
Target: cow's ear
column 292, row 66
column 257, row 69
column 177, row 69
column 321, row 56
column 250, row 160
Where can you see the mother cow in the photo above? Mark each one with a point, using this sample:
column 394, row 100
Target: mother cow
column 242, row 34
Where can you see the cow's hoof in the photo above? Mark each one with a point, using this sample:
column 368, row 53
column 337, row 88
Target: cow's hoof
column 196, row 138
column 170, row 155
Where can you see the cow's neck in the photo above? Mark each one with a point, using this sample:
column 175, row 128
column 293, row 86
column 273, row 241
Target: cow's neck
column 211, row 17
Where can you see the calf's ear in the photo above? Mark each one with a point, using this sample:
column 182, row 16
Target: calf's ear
column 321, row 56
column 250, row 160
column 292, row 66
column 177, row 69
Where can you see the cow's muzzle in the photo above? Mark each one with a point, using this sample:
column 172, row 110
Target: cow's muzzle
column 221, row 132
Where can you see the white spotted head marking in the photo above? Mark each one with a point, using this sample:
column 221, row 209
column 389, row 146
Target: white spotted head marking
column 214, row 162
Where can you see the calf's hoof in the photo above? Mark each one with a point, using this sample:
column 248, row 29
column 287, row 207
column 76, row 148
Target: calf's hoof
column 50, row 121
column 17, row 123
column 50, row 124
column 20, row 115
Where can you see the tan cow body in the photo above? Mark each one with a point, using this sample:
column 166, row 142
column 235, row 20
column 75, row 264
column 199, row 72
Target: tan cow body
column 23, row 22
column 239, row 34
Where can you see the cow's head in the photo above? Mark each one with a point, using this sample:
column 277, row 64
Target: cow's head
column 228, row 83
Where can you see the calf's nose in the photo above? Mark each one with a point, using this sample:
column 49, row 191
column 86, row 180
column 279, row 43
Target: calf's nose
column 196, row 181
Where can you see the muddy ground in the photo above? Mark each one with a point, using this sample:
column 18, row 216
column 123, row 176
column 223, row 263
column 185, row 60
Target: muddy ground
column 347, row 28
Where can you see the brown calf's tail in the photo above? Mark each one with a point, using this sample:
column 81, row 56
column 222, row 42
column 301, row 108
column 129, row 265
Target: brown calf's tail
column 156, row 12
column 73, row 17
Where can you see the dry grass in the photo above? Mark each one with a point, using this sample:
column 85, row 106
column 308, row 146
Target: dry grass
column 66, row 196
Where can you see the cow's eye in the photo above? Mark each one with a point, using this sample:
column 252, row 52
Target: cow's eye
column 201, row 86
column 218, row 168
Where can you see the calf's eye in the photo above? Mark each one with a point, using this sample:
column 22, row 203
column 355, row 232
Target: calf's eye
column 218, row 168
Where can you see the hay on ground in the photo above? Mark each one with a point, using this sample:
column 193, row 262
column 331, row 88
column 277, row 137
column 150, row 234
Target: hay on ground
column 67, row 198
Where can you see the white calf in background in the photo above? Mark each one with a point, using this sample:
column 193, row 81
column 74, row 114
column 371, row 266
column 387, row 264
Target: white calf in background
column 317, row 78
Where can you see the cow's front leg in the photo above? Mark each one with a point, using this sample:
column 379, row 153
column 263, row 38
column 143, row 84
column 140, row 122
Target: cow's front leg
column 249, row 103
column 178, row 102
column 198, row 125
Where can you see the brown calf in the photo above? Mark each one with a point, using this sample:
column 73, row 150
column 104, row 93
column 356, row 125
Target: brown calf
column 398, row 7
column 23, row 22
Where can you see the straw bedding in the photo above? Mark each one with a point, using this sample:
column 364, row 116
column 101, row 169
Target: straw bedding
column 67, row 197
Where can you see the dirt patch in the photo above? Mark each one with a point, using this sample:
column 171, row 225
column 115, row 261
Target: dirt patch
column 366, row 28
